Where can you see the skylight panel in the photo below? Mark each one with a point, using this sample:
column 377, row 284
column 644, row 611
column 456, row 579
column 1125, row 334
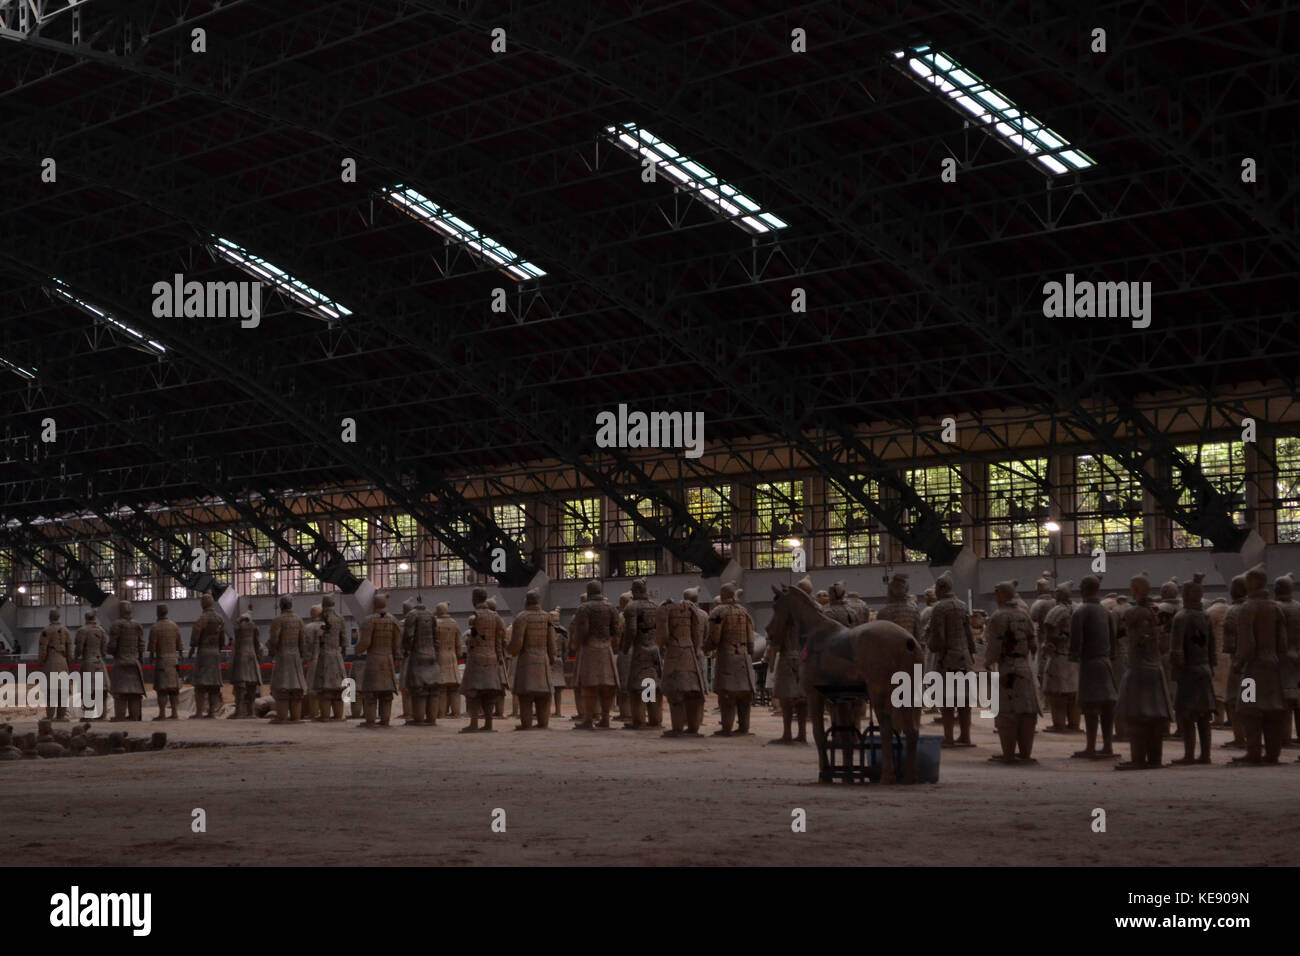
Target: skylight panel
column 313, row 300
column 996, row 114
column 421, row 207
column 143, row 341
column 725, row 199
column 18, row 370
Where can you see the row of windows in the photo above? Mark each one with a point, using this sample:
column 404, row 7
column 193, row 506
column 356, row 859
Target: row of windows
column 1101, row 508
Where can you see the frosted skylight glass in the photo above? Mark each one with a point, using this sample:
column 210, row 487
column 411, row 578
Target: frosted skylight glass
column 18, row 370
column 994, row 112
column 149, row 345
column 314, row 301
column 727, row 201
column 421, row 207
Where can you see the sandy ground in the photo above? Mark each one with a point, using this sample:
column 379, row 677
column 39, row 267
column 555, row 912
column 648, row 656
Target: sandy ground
column 333, row 794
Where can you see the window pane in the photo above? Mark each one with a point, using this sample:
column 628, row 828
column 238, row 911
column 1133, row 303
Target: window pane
column 778, row 507
column 1018, row 506
column 1109, row 505
column 940, row 486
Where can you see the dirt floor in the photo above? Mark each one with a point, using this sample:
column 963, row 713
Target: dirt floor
column 333, row 794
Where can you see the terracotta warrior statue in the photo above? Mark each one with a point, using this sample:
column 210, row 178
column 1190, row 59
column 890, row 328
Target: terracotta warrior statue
column 979, row 620
column 952, row 645
column 92, row 648
column 679, row 632
column 860, row 609
column 647, row 665
column 1261, row 647
column 1167, row 606
column 287, row 646
column 783, row 651
column 558, row 680
column 486, row 647
column 1290, row 664
column 205, row 647
column 449, row 651
column 595, row 626
column 824, row 599
column 838, row 610
column 532, row 645
column 165, row 647
column 637, row 646
column 1042, row 603
column 381, row 643
column 1192, row 657
column 1011, row 643
column 506, row 665
column 407, row 607
column 52, row 656
column 311, row 632
column 925, row 605
column 421, row 673
column 731, row 639
column 1122, row 605
column 246, row 666
column 1232, row 689
column 1144, row 696
column 126, row 644
column 329, row 670
column 622, row 661
column 1217, row 612
column 1093, row 646
column 899, row 608
column 1059, row 676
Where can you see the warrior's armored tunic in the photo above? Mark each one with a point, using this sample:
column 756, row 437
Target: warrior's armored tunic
column 949, row 637
column 595, row 626
column 165, row 652
column 287, row 645
column 126, row 644
column 313, row 632
column 92, row 648
column 1060, row 674
column 1218, row 613
column 1232, row 686
column 787, row 684
column 1261, row 645
column 532, row 643
column 449, row 651
column 1093, row 644
column 561, row 655
column 328, row 670
column 205, row 641
column 421, row 673
column 679, row 633
column 1122, row 607
column 1144, row 694
column 904, row 614
column 484, row 654
column 1289, row 665
column 246, row 655
column 381, row 642
column 55, row 648
column 1010, row 635
column 1192, row 658
column 840, row 612
column 731, row 635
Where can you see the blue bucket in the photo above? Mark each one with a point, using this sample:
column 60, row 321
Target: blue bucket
column 928, row 749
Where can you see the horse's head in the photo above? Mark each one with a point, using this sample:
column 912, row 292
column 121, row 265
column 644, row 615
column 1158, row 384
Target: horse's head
column 776, row 628
column 793, row 608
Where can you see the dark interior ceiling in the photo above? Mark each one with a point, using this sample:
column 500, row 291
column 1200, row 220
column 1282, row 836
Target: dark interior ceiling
column 924, row 298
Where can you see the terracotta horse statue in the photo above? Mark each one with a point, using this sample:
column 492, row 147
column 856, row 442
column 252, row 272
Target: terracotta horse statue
column 867, row 654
